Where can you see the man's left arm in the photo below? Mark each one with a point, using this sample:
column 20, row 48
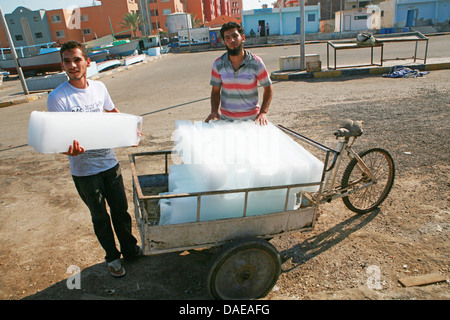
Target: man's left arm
column 261, row 118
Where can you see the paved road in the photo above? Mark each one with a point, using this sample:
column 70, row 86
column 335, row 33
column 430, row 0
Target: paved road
column 177, row 87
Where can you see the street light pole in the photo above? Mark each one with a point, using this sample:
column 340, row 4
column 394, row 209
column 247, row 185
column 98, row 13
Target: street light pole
column 14, row 53
column 157, row 26
column 280, row 5
column 187, row 26
column 302, row 35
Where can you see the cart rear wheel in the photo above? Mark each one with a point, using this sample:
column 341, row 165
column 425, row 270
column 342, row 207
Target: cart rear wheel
column 244, row 270
column 381, row 164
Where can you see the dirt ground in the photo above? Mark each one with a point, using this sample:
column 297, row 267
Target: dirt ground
column 46, row 229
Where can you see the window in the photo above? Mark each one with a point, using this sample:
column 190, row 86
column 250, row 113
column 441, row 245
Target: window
column 84, row 17
column 11, row 21
column 19, row 37
column 167, row 11
column 311, row 17
column 60, row 34
column 38, row 35
column 36, row 19
column 56, row 18
column 86, row 31
column 363, row 4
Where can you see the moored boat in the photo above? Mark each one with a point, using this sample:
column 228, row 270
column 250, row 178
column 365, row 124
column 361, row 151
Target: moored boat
column 98, row 56
column 122, row 47
column 41, row 63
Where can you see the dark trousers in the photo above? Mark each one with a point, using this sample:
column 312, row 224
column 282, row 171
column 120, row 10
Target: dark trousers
column 95, row 191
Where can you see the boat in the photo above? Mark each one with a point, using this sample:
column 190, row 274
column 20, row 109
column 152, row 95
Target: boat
column 134, row 59
column 98, row 56
column 108, row 64
column 122, row 47
column 41, row 63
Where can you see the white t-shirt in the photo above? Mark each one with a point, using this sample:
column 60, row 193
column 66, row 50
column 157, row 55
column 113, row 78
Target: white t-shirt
column 95, row 98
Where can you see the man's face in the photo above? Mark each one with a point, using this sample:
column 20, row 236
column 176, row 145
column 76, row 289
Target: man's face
column 75, row 64
column 233, row 41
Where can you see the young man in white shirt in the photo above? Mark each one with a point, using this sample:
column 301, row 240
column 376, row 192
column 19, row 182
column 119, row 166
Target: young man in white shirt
column 96, row 173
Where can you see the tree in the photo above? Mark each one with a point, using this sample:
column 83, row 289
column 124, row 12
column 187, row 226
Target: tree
column 132, row 20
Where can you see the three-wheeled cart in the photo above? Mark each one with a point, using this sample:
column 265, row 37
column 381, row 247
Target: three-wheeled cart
column 248, row 265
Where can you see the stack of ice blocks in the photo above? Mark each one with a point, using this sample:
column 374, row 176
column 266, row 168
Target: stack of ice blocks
column 223, row 155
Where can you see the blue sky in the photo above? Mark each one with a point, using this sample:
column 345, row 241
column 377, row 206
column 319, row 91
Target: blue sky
column 9, row 5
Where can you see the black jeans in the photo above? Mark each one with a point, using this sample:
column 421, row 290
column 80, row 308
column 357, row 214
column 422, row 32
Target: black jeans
column 94, row 190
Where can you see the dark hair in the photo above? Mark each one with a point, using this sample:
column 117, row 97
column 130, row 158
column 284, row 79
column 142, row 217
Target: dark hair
column 70, row 45
column 231, row 25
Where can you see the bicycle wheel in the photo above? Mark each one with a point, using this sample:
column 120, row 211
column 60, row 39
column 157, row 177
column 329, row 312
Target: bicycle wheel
column 366, row 199
column 246, row 270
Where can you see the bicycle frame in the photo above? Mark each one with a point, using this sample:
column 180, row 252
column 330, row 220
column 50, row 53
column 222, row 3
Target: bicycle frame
column 328, row 191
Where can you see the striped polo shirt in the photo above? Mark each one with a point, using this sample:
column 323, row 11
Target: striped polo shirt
column 239, row 94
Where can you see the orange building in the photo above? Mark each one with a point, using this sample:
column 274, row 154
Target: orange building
column 236, row 10
column 201, row 11
column 88, row 23
column 159, row 9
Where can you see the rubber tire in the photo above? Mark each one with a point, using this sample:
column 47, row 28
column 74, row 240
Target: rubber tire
column 387, row 188
column 245, row 269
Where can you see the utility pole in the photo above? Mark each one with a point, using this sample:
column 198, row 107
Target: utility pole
column 157, row 26
column 302, row 35
column 14, row 53
column 341, row 13
column 187, row 25
column 280, row 5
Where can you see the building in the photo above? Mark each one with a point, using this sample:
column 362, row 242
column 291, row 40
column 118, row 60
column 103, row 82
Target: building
column 73, row 23
column 27, row 28
column 236, row 10
column 88, row 23
column 201, row 11
column 416, row 13
column 286, row 22
column 392, row 14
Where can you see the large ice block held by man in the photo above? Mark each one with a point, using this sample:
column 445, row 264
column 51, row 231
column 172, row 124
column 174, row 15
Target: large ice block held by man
column 54, row 132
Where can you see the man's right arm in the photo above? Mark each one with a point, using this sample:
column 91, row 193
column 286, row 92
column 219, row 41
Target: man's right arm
column 215, row 103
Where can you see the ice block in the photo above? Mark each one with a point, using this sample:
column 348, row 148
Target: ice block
column 54, row 132
column 221, row 155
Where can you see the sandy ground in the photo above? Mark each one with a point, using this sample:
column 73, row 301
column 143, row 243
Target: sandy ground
column 46, row 232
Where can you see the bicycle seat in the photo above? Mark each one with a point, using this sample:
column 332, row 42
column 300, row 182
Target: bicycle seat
column 349, row 128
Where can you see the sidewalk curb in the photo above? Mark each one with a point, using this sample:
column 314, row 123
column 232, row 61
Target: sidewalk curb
column 301, row 75
column 20, row 100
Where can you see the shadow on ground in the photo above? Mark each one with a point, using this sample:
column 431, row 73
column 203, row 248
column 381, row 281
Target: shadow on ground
column 180, row 276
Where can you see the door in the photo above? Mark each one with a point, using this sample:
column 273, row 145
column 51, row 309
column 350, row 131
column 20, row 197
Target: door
column 410, row 18
column 262, row 28
column 347, row 22
column 298, row 27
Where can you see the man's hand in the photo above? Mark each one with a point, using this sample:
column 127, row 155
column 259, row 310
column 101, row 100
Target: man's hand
column 75, row 149
column 261, row 119
column 140, row 134
column 213, row 116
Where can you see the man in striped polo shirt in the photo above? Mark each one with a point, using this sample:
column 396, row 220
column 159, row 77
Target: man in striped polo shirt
column 234, row 79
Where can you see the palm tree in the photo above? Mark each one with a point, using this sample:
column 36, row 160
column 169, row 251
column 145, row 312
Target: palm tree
column 132, row 20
